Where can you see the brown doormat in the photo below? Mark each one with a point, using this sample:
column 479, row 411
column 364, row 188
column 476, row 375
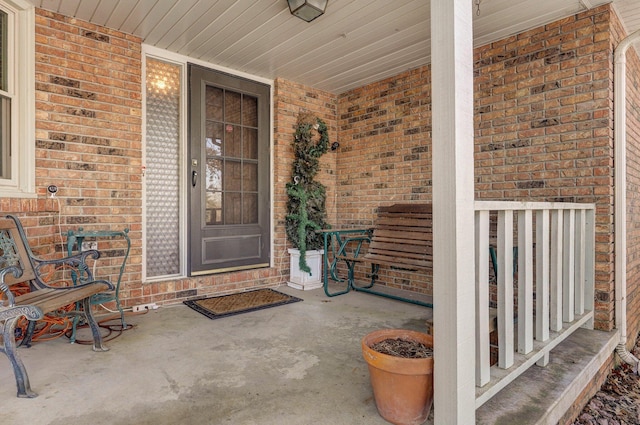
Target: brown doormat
column 243, row 302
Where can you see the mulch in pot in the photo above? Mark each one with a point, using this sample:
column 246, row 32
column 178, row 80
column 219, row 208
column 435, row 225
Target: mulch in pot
column 403, row 348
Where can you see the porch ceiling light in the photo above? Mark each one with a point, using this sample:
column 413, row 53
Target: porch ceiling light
column 307, row 10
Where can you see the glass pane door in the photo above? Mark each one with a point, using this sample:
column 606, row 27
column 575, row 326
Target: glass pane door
column 230, row 174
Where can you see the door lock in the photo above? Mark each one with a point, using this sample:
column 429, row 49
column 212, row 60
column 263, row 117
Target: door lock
column 194, row 173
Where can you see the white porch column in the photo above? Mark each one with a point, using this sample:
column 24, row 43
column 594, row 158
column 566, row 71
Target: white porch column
column 453, row 211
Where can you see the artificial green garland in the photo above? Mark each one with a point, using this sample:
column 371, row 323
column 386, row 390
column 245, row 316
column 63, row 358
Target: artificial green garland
column 306, row 210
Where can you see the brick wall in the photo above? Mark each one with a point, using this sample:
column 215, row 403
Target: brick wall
column 88, row 138
column 40, row 218
column 385, row 157
column 385, row 152
column 544, row 124
column 543, row 127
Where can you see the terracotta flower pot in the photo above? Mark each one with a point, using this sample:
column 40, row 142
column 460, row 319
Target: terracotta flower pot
column 402, row 387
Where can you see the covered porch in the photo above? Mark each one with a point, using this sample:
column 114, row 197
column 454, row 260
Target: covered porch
column 295, row 364
column 407, row 144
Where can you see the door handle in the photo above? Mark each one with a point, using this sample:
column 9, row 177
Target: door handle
column 194, row 178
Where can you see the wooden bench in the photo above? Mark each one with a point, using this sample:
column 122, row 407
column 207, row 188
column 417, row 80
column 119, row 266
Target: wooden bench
column 19, row 265
column 401, row 238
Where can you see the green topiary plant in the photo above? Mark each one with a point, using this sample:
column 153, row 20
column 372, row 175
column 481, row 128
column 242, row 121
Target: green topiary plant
column 306, row 210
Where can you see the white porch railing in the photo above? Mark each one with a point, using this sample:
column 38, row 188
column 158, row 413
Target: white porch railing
column 554, row 288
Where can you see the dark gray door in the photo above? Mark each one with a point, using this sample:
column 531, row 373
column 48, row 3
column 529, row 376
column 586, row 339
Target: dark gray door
column 229, row 163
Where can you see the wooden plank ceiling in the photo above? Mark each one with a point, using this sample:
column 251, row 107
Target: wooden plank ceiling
column 354, row 43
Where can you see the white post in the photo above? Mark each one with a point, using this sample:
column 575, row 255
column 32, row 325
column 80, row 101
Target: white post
column 453, row 211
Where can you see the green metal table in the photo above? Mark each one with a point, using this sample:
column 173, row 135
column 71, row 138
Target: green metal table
column 339, row 244
column 336, row 244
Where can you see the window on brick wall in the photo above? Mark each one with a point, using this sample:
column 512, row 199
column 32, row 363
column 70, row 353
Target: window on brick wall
column 17, row 99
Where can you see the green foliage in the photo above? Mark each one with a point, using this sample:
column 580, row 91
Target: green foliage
column 306, row 209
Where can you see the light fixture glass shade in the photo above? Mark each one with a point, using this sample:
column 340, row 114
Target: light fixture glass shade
column 307, row 10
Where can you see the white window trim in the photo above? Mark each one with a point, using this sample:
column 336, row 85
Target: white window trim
column 22, row 92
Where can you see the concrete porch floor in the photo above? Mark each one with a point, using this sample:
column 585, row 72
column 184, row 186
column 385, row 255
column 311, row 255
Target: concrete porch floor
column 299, row 363
column 296, row 364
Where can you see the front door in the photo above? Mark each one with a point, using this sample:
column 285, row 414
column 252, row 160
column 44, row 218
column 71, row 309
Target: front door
column 229, row 172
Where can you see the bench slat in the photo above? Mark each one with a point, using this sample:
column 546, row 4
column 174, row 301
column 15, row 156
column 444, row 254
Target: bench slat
column 381, row 253
column 49, row 300
column 398, row 261
column 422, row 214
column 403, row 221
column 404, row 233
column 416, row 250
column 406, row 208
column 405, row 240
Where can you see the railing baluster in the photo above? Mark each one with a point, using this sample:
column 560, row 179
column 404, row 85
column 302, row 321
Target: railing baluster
column 542, row 275
column 483, row 355
column 568, row 277
column 580, row 262
column 542, row 280
column 525, row 281
column 555, row 290
column 505, row 289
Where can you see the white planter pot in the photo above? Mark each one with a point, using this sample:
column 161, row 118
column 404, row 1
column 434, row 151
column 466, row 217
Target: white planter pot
column 299, row 279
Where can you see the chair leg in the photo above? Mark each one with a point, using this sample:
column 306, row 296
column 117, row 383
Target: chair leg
column 120, row 309
column 95, row 329
column 28, row 335
column 124, row 324
column 9, row 341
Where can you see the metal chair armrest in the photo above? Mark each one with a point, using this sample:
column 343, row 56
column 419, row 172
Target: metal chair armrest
column 17, row 272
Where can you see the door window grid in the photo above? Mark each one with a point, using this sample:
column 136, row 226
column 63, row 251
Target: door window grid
column 231, row 146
